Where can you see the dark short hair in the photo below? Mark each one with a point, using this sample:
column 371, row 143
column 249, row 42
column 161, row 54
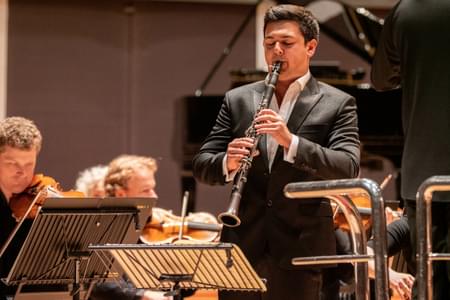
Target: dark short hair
column 308, row 24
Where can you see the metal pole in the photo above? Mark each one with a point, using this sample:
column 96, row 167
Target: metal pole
column 424, row 246
column 336, row 190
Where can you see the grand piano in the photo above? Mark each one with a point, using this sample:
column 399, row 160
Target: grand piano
column 379, row 113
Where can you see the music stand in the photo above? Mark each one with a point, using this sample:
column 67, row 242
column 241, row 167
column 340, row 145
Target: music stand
column 56, row 252
column 172, row 267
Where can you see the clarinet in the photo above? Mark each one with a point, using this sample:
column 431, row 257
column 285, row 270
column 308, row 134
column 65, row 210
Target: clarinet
column 230, row 218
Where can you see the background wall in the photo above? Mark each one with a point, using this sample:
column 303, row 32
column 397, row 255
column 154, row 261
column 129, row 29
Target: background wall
column 102, row 78
column 106, row 77
column 3, row 54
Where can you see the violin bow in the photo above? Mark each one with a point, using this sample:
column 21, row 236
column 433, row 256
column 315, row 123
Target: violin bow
column 183, row 214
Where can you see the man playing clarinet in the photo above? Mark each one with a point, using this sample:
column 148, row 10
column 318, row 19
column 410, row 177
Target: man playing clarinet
column 308, row 132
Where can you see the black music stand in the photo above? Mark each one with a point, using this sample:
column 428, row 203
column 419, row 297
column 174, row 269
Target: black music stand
column 55, row 252
column 172, row 267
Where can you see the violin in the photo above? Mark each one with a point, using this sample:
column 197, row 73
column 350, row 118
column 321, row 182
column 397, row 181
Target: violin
column 164, row 227
column 364, row 207
column 26, row 203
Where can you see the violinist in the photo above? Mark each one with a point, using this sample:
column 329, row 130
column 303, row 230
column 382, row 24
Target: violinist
column 91, row 181
column 128, row 176
column 20, row 143
column 131, row 176
column 398, row 240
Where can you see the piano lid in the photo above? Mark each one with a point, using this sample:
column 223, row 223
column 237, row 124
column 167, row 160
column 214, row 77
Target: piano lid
column 354, row 27
column 357, row 29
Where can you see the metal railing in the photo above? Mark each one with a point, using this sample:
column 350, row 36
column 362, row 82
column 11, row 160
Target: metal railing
column 338, row 191
column 425, row 256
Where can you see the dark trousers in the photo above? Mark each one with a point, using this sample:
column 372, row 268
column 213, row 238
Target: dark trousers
column 332, row 277
column 283, row 284
column 440, row 243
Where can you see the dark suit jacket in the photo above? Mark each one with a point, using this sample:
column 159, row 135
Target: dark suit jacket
column 7, row 225
column 325, row 120
column 414, row 52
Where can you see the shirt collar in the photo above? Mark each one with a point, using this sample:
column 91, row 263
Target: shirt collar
column 302, row 81
column 296, row 87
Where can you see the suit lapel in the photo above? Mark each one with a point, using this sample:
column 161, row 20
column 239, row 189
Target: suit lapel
column 306, row 101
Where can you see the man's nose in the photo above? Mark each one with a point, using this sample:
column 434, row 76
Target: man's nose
column 20, row 170
column 278, row 50
column 153, row 194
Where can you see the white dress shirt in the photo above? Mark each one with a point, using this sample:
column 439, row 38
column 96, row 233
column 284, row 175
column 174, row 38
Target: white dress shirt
column 285, row 110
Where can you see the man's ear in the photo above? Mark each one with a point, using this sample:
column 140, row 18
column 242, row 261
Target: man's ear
column 311, row 47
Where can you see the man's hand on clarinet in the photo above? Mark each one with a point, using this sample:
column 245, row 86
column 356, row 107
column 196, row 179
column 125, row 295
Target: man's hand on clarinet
column 269, row 122
column 237, row 150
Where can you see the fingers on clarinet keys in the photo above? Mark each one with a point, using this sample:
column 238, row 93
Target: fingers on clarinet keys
column 245, row 142
column 240, row 147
